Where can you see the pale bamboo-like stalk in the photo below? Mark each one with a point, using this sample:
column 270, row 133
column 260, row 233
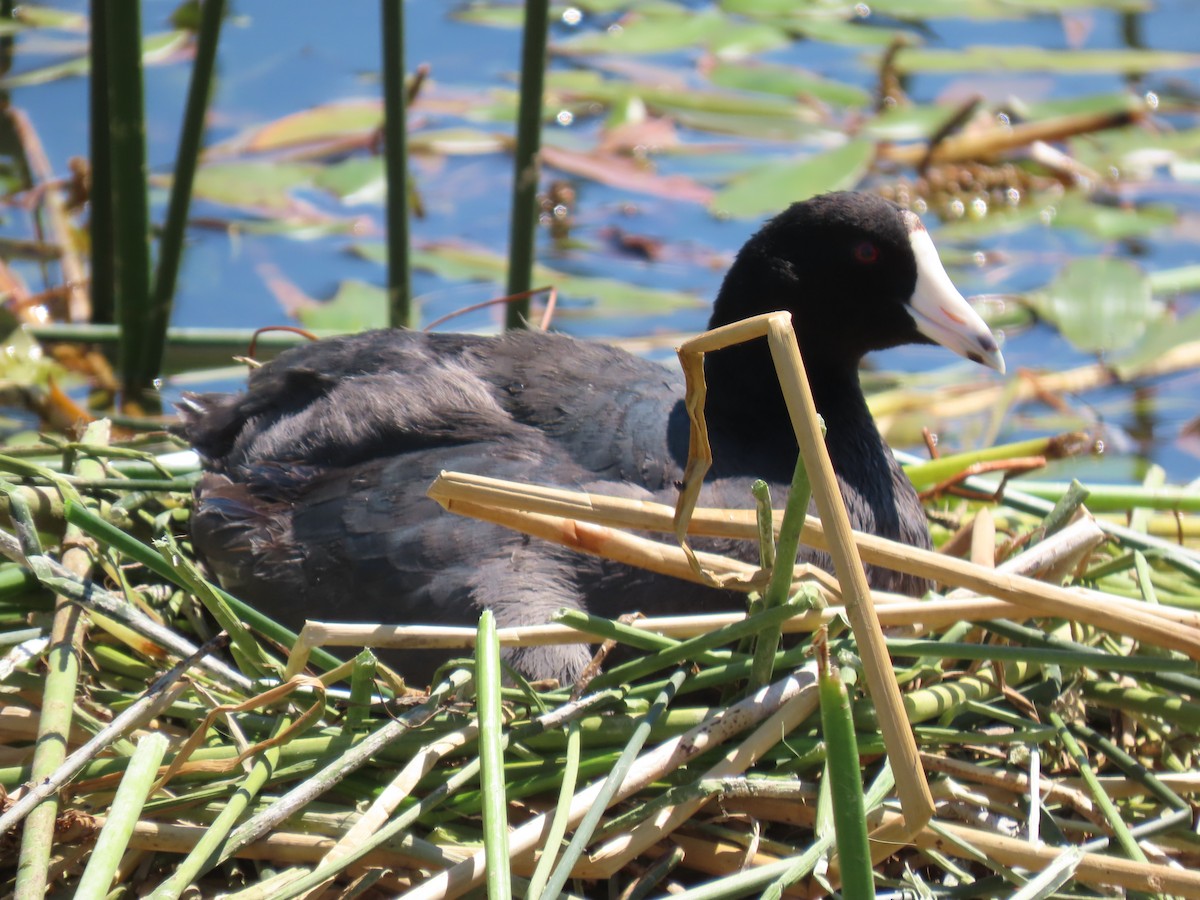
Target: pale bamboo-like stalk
column 1164, row 626
column 610, row 858
column 963, row 842
column 653, row 764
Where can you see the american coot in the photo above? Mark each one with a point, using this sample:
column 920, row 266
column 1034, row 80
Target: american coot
column 314, row 506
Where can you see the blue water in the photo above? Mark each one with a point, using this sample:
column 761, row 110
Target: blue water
column 282, row 56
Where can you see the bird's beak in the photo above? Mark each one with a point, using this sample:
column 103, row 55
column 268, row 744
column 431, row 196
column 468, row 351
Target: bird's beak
column 942, row 314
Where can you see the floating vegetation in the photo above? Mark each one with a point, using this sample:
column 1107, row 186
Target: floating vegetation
column 158, row 736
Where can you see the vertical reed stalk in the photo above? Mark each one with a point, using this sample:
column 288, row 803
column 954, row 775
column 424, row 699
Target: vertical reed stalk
column 491, row 758
column 170, row 250
column 138, row 317
column 103, row 279
column 522, row 238
column 395, row 156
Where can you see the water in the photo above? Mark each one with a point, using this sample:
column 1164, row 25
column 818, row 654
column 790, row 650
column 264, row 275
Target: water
column 279, row 57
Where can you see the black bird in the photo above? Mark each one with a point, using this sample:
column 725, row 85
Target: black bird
column 313, row 503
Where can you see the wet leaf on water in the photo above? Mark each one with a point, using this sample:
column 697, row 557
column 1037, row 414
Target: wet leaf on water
column 1097, row 303
column 1111, row 222
column 45, row 17
column 457, row 142
column 354, row 181
column 624, row 173
column 745, row 40
column 461, row 262
column 1037, row 59
column 908, row 123
column 924, row 10
column 356, row 306
column 853, row 33
column 721, row 112
column 590, row 86
column 1053, row 6
column 769, row 187
column 1137, row 152
column 1176, row 281
column 1070, row 211
column 786, row 81
column 1094, row 104
column 332, row 121
column 659, row 31
column 156, row 48
column 264, row 188
column 1161, row 336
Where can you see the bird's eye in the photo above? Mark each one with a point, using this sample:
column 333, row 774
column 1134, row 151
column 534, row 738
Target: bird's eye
column 866, row 252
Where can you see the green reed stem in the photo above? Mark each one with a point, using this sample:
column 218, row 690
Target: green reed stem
column 140, row 319
column 395, row 161
column 522, row 238
column 100, row 138
column 491, row 758
column 170, row 248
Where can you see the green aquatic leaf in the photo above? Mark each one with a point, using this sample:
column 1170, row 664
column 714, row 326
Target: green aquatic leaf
column 740, row 41
column 460, row 262
column 360, row 179
column 1161, row 337
column 1071, row 212
column 908, row 123
column 328, row 122
column 724, row 112
column 1137, row 152
column 1176, row 281
column 1038, row 59
column 457, row 141
column 1098, row 303
column 1112, row 222
column 156, row 48
column 665, row 32
column 261, row 187
column 852, row 33
column 786, row 81
column 356, row 306
column 924, row 10
column 769, row 187
column 48, row 17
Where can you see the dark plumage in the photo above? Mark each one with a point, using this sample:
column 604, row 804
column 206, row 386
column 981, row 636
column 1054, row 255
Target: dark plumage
column 314, row 506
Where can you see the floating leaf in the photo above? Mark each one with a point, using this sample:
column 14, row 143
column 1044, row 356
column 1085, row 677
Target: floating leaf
column 356, row 306
column 745, row 40
column 355, row 180
column 924, row 10
column 652, row 33
column 262, row 187
column 457, row 141
column 770, row 187
column 1037, row 59
column 332, row 121
column 1160, row 338
column 1071, row 211
column 1111, row 222
column 460, row 262
column 854, row 33
column 907, row 123
column 1098, row 303
column 786, row 81
column 1136, row 152
column 622, row 172
column 1176, row 281
column 156, row 48
column 46, row 17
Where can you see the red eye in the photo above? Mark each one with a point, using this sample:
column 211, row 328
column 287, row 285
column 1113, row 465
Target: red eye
column 866, row 252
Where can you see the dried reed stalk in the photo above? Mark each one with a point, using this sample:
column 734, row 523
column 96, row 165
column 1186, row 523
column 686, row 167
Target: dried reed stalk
column 1158, row 625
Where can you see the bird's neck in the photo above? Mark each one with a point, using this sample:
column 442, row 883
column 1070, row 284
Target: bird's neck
column 744, row 394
